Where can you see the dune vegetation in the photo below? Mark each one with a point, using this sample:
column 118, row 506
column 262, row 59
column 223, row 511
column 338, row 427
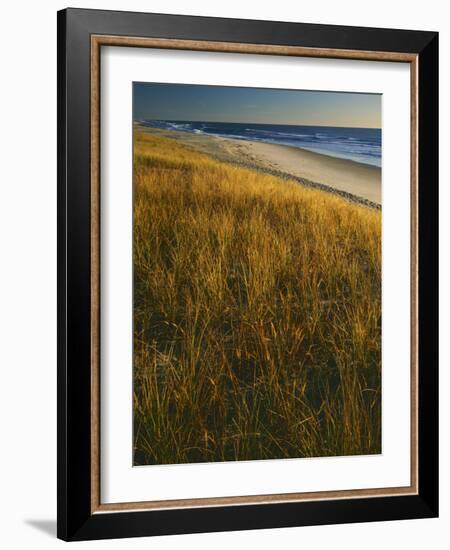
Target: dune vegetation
column 257, row 314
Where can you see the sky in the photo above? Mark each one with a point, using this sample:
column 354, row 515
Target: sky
column 190, row 102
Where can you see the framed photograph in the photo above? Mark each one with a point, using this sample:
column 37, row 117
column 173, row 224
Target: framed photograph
column 247, row 244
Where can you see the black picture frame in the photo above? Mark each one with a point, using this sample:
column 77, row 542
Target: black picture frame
column 75, row 518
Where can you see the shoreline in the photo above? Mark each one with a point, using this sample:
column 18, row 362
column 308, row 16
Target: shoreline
column 354, row 181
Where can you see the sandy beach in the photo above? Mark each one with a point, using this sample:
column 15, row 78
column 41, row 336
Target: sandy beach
column 351, row 177
column 355, row 180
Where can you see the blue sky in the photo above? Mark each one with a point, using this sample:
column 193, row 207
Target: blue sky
column 254, row 105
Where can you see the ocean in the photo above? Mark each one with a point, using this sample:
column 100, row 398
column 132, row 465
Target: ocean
column 357, row 144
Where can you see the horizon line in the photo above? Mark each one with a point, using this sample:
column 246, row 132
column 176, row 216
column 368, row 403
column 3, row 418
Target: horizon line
column 257, row 123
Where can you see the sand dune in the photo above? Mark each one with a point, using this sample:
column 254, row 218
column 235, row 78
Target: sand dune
column 357, row 179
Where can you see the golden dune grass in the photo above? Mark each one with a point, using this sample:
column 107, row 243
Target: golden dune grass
column 257, row 314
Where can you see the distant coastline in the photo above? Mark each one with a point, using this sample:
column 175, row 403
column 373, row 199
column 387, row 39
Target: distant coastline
column 355, row 181
column 361, row 145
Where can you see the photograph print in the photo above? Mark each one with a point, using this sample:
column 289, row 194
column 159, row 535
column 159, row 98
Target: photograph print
column 256, row 274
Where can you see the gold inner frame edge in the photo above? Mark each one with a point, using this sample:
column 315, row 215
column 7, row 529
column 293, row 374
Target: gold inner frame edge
column 97, row 41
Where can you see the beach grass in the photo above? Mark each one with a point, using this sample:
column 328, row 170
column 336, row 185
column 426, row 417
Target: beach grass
column 257, row 314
